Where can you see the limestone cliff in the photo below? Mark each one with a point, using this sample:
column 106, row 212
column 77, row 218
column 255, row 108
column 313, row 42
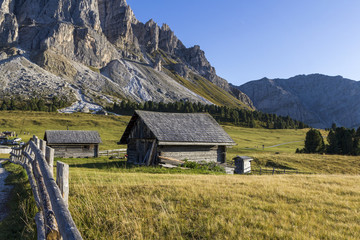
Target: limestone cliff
column 8, row 29
column 100, row 45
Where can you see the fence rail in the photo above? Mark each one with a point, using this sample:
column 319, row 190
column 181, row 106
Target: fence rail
column 273, row 171
column 112, row 152
column 53, row 220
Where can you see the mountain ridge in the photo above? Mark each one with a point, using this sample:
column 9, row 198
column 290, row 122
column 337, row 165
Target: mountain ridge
column 316, row 99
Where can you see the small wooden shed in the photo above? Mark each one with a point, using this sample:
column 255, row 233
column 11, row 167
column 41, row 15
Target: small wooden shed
column 192, row 136
column 243, row 164
column 73, row 143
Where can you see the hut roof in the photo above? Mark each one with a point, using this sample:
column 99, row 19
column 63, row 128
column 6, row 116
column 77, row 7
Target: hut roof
column 244, row 158
column 180, row 128
column 71, row 137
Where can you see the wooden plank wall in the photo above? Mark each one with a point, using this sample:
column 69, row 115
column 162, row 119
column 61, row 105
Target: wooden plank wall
column 140, row 130
column 137, row 150
column 140, row 141
column 193, row 153
column 75, row 150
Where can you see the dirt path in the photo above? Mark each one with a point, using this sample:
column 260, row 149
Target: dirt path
column 260, row 147
column 283, row 144
column 4, row 192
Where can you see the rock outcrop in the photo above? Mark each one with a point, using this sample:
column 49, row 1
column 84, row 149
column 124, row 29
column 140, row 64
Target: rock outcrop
column 195, row 57
column 8, row 29
column 317, row 100
column 83, row 13
column 117, row 19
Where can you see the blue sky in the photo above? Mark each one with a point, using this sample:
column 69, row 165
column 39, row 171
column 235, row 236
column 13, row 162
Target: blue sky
column 249, row 39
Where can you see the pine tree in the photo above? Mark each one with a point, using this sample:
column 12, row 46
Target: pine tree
column 314, row 142
column 345, row 141
column 356, row 147
column 333, row 147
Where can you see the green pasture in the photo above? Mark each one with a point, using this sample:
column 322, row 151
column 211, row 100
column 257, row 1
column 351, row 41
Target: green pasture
column 110, row 199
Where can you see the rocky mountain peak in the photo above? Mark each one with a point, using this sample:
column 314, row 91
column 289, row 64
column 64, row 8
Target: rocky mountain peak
column 116, row 19
column 66, row 38
column 150, row 23
column 168, row 41
column 165, row 27
column 123, row 3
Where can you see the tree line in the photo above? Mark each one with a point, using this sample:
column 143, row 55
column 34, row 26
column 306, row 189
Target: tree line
column 236, row 116
column 223, row 114
column 341, row 141
column 33, row 104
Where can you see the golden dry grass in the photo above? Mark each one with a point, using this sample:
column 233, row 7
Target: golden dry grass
column 309, row 163
column 110, row 205
column 4, row 155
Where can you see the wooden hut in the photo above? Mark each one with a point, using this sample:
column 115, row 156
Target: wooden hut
column 242, row 164
column 192, row 136
column 73, row 143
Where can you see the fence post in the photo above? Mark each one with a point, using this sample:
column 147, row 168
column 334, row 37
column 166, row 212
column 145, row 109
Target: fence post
column 260, row 170
column 284, row 171
column 273, row 171
column 36, row 140
column 43, row 147
column 62, row 180
column 49, row 156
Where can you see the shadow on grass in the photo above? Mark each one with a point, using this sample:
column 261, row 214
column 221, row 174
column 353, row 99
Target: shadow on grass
column 104, row 165
column 272, row 164
column 123, row 166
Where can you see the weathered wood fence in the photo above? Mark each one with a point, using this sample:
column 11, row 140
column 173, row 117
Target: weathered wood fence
column 112, row 152
column 53, row 220
column 273, row 171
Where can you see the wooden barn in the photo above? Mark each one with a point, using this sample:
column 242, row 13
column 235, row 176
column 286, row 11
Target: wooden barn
column 192, row 136
column 73, row 143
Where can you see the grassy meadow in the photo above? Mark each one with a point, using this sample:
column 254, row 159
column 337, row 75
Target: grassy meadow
column 110, row 128
column 112, row 200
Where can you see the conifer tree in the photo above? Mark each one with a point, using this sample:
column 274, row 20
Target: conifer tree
column 314, row 142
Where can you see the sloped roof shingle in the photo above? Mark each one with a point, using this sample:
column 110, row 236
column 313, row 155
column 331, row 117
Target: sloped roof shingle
column 71, row 137
column 181, row 127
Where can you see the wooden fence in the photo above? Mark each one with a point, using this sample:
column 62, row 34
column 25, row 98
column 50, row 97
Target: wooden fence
column 112, row 152
column 273, row 171
column 53, row 220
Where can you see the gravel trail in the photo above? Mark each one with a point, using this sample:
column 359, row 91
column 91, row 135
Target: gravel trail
column 4, row 192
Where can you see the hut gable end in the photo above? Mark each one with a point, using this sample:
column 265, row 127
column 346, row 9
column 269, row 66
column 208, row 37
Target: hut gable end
column 141, row 131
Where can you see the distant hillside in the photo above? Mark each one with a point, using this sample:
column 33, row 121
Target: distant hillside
column 317, row 100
